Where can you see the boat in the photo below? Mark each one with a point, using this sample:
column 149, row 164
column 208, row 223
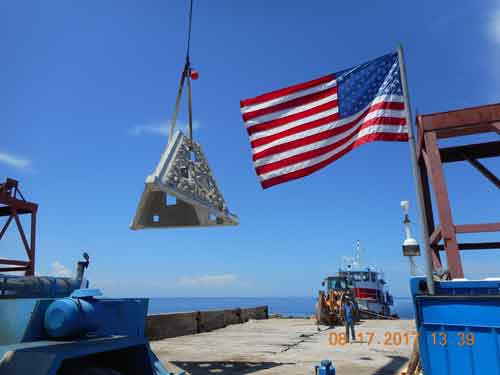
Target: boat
column 366, row 285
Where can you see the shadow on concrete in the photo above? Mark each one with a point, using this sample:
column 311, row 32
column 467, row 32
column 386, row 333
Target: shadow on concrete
column 224, row 368
column 393, row 366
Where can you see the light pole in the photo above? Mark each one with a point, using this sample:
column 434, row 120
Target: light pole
column 410, row 245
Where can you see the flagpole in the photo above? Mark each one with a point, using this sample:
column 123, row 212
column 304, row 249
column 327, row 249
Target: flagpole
column 416, row 172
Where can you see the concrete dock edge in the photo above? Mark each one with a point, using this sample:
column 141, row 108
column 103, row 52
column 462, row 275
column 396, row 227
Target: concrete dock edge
column 162, row 326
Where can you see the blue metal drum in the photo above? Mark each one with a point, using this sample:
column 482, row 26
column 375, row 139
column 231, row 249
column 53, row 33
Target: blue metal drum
column 326, row 367
column 72, row 317
column 459, row 326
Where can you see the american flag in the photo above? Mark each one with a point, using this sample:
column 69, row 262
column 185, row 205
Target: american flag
column 300, row 129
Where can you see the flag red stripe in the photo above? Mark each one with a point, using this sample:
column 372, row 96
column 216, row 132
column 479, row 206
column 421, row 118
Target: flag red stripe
column 291, row 103
column 313, row 153
column 327, row 134
column 324, row 120
column 313, row 168
column 297, row 116
column 287, row 90
column 296, row 129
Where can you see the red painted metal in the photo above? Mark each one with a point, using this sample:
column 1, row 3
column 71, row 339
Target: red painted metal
column 366, row 293
column 13, row 204
column 431, row 128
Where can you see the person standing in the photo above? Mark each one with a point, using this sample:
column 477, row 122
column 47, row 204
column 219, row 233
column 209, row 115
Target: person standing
column 349, row 320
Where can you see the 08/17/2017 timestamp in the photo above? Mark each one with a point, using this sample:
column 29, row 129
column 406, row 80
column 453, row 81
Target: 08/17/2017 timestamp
column 455, row 339
column 396, row 338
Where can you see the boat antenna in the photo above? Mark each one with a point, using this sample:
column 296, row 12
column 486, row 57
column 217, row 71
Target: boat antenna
column 358, row 253
column 187, row 74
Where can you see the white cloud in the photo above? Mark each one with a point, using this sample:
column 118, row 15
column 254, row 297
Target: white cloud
column 160, row 128
column 209, row 280
column 493, row 26
column 58, row 269
column 14, row 161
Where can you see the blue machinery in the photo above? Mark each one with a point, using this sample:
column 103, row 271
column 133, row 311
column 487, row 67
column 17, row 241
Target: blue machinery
column 458, row 326
column 326, row 367
column 55, row 328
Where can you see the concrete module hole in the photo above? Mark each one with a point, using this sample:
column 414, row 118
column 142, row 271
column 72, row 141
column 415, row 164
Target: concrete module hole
column 156, row 218
column 170, row 200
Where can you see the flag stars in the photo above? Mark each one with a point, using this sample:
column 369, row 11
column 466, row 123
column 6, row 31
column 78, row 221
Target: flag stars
column 360, row 86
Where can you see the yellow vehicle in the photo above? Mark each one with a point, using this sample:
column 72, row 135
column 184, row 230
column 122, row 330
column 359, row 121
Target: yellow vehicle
column 330, row 303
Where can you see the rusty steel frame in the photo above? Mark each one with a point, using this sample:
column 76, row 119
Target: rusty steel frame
column 14, row 205
column 430, row 159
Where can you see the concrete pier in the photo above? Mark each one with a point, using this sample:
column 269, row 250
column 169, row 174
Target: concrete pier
column 290, row 346
column 162, row 326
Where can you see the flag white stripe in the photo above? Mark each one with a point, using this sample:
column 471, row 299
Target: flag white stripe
column 293, row 124
column 285, row 98
column 313, row 146
column 388, row 129
column 328, row 126
column 289, row 111
column 376, row 100
column 316, row 116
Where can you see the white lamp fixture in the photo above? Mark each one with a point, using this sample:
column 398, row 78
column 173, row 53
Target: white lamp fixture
column 410, row 245
column 405, row 205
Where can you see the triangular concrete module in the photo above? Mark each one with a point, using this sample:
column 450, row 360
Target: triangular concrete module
column 184, row 175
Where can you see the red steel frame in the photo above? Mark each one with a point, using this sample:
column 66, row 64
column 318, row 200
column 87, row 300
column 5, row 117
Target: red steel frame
column 14, row 205
column 430, row 158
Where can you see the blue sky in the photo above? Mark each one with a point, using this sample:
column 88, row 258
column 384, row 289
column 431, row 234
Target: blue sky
column 87, row 90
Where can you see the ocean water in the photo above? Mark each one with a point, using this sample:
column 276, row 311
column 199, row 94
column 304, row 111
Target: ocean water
column 287, row 306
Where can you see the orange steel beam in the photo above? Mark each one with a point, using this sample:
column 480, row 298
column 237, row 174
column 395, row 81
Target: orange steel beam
column 431, row 128
column 13, row 205
column 477, row 228
column 475, row 246
column 474, row 151
column 13, row 262
column 484, row 171
column 436, row 236
column 443, row 206
column 463, row 121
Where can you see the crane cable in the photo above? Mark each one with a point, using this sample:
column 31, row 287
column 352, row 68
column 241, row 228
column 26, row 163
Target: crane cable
column 190, row 21
column 185, row 77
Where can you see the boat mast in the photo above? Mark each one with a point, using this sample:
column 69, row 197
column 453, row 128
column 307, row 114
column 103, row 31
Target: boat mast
column 357, row 257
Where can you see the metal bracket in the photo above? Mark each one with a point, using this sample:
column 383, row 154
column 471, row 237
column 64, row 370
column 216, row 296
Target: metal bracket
column 86, row 293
